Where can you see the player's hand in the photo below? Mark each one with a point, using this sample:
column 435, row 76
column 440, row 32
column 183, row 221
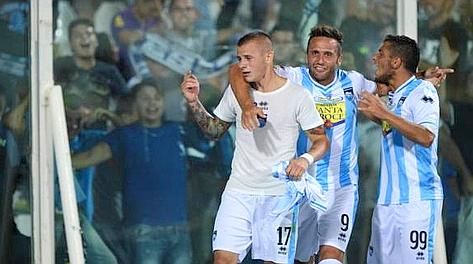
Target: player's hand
column 296, row 168
column 249, row 117
column 190, row 87
column 372, row 105
column 437, row 75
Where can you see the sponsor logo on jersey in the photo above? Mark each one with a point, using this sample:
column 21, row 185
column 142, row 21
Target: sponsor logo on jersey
column 332, row 110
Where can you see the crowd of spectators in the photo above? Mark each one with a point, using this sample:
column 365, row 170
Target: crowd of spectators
column 120, row 63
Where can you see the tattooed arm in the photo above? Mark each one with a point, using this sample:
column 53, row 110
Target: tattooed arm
column 320, row 145
column 212, row 126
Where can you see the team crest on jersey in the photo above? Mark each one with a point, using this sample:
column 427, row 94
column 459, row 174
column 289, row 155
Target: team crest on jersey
column 332, row 110
column 401, row 100
column 386, row 128
column 348, row 93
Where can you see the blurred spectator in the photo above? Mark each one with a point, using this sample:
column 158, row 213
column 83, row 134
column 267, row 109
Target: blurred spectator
column 89, row 83
column 108, row 181
column 363, row 31
column 151, row 156
column 167, row 56
column 96, row 81
column 263, row 14
column 206, row 24
column 131, row 25
column 443, row 41
column 286, row 46
column 459, row 110
column 16, row 13
column 316, row 12
column 9, row 160
column 451, row 205
column 14, row 52
column 465, row 11
column 104, row 14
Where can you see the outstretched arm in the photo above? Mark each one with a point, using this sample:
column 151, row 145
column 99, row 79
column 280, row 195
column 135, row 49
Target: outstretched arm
column 98, row 154
column 212, row 126
column 250, row 113
column 320, row 145
column 435, row 75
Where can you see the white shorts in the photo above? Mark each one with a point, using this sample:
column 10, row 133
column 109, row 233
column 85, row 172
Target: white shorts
column 404, row 233
column 332, row 228
column 245, row 220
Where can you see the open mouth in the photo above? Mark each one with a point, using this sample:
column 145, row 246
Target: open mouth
column 85, row 46
column 319, row 68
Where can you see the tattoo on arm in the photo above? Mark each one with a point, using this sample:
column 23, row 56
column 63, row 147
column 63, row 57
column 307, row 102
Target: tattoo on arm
column 212, row 126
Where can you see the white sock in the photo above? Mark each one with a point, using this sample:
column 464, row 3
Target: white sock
column 330, row 261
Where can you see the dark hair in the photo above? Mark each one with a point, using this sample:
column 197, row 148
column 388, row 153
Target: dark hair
column 146, row 82
column 328, row 32
column 259, row 34
column 406, row 49
column 78, row 22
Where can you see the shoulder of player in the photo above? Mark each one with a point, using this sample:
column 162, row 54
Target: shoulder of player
column 297, row 90
column 358, row 80
column 354, row 75
column 424, row 92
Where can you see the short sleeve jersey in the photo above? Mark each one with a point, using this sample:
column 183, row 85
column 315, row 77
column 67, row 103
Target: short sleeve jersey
column 337, row 104
column 409, row 170
column 288, row 109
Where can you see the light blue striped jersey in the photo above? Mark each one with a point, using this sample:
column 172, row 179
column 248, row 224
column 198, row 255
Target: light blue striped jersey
column 337, row 104
column 409, row 170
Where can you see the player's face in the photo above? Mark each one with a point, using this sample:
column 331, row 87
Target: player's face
column 83, row 41
column 253, row 61
column 382, row 60
column 149, row 105
column 323, row 58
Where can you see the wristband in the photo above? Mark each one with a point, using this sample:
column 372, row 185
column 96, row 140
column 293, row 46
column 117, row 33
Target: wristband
column 308, row 157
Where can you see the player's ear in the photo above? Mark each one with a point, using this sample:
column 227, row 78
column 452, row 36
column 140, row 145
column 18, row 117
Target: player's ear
column 396, row 62
column 339, row 60
column 270, row 56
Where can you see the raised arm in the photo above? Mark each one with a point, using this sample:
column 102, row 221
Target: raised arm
column 375, row 109
column 213, row 127
column 319, row 146
column 250, row 113
column 98, row 154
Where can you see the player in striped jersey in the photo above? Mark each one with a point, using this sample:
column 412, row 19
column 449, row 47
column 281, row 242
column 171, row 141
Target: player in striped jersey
column 410, row 193
column 336, row 93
